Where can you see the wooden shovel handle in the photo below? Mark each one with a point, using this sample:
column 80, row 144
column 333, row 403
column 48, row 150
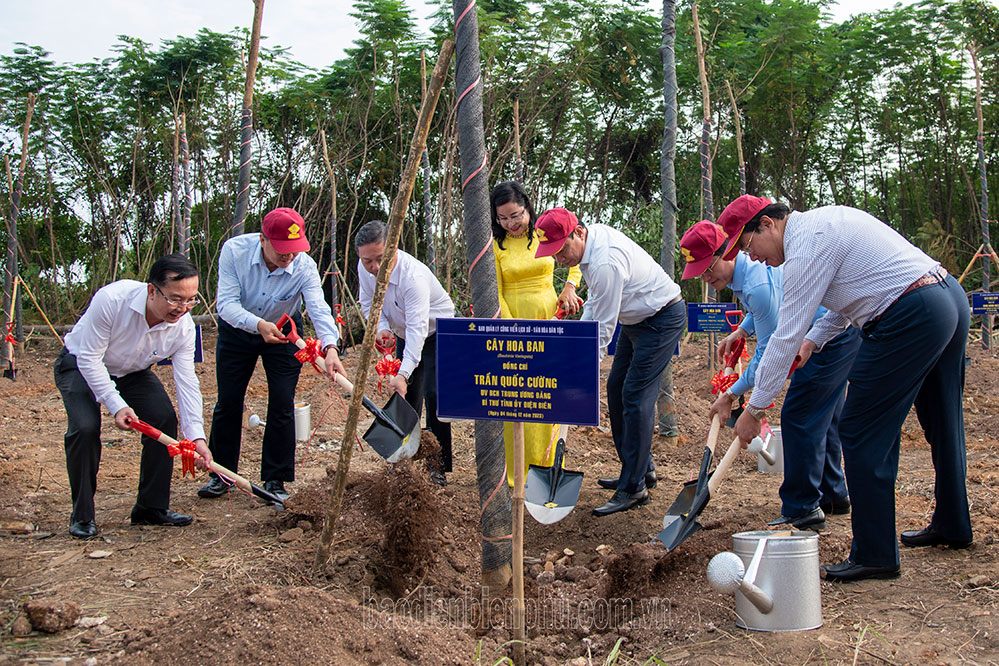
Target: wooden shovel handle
column 162, row 438
column 723, row 466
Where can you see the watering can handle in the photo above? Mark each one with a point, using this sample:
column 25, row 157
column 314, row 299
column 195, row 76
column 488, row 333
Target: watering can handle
column 763, row 601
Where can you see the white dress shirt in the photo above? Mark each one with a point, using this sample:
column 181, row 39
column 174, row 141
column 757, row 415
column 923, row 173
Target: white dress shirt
column 846, row 260
column 249, row 291
column 414, row 301
column 112, row 339
column 624, row 283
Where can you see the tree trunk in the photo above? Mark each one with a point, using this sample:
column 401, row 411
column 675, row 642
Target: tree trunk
column 707, row 204
column 11, row 295
column 666, row 402
column 246, row 124
column 490, row 459
column 983, row 208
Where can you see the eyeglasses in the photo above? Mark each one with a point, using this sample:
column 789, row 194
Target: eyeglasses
column 516, row 216
column 174, row 303
column 711, row 265
column 746, row 248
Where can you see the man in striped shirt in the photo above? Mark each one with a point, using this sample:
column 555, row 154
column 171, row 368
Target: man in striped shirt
column 914, row 322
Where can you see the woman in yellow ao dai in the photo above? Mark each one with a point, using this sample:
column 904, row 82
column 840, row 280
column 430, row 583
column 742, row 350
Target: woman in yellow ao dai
column 526, row 291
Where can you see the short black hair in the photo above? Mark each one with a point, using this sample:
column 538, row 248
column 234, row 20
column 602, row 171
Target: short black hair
column 374, row 231
column 776, row 211
column 510, row 191
column 171, row 268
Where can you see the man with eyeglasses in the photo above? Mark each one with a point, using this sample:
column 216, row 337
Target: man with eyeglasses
column 263, row 276
column 128, row 327
column 813, row 476
column 625, row 284
column 914, row 321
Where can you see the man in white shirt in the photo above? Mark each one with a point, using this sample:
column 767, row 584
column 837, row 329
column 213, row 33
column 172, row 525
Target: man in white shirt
column 414, row 301
column 625, row 284
column 914, row 321
column 263, row 276
column 128, row 327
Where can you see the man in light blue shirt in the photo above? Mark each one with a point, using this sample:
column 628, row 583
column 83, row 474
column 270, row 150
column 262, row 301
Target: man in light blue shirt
column 263, row 276
column 813, row 475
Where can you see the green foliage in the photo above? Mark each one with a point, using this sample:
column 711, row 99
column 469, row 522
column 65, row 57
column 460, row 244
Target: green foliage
column 877, row 112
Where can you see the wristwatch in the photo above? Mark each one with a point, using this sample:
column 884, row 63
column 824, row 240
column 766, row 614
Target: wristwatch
column 731, row 396
column 757, row 413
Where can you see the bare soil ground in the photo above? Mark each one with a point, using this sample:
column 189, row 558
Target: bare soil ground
column 237, row 585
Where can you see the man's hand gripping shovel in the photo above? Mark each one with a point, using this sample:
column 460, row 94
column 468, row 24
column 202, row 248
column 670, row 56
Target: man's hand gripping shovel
column 185, row 449
column 395, row 432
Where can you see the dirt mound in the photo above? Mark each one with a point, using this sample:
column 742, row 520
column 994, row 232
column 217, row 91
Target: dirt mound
column 280, row 625
column 397, row 506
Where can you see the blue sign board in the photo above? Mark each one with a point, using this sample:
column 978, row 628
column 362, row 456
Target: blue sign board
column 709, row 317
column 534, row 370
column 985, row 303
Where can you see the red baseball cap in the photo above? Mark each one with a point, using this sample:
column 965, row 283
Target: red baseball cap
column 554, row 227
column 698, row 247
column 285, row 229
column 736, row 215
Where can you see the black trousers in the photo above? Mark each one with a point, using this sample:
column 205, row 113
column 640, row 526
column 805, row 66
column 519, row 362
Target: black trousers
column 146, row 396
column 236, row 354
column 423, row 388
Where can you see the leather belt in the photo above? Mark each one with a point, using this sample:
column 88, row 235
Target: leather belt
column 933, row 277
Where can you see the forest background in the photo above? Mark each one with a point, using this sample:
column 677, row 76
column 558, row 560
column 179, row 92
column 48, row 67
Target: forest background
column 877, row 112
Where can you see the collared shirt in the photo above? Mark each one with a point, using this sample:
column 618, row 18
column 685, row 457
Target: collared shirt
column 249, row 291
column 624, row 283
column 112, row 339
column 760, row 288
column 414, row 301
column 848, row 261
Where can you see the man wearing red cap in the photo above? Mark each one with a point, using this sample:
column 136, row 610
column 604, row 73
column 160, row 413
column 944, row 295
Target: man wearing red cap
column 813, row 476
column 263, row 276
column 625, row 284
column 914, row 322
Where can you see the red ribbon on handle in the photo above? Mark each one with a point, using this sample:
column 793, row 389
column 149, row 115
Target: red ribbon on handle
column 185, row 449
column 722, row 382
column 10, row 334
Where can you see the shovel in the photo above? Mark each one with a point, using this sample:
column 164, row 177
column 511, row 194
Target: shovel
column 174, row 445
column 550, row 493
column 395, row 432
column 681, row 519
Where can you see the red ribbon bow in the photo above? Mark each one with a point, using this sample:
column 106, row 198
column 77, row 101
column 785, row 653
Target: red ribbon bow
column 722, row 382
column 10, row 334
column 339, row 318
column 185, row 449
column 310, row 353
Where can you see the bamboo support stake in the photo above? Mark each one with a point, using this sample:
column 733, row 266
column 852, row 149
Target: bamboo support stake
column 519, row 634
column 738, row 138
column 334, row 274
column 396, row 217
column 518, row 160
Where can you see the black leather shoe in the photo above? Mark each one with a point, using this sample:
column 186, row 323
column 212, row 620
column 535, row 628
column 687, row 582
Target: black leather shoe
column 813, row 520
column 622, row 501
column 929, row 537
column 611, row 484
column 276, row 488
column 84, row 529
column 848, row 571
column 143, row 516
column 214, row 488
column 838, row 507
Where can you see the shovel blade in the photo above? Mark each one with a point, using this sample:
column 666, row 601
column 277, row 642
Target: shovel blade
column 386, row 441
column 678, row 530
column 544, row 505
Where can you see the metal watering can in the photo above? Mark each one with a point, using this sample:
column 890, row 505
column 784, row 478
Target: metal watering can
column 774, row 577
